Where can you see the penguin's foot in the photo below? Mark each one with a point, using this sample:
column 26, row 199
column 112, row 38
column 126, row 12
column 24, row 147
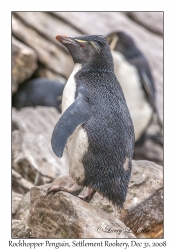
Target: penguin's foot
column 75, row 189
column 89, row 194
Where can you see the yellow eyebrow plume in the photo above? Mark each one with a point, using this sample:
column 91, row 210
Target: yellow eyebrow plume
column 95, row 46
column 113, row 42
column 81, row 41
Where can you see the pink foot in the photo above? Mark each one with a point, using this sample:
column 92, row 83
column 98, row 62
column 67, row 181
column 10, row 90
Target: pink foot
column 56, row 189
column 75, row 189
column 88, row 195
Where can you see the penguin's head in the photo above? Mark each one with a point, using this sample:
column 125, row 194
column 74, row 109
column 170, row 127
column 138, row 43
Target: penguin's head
column 120, row 41
column 92, row 51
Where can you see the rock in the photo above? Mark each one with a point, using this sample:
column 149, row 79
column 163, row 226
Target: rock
column 62, row 215
column 16, row 198
column 15, row 204
column 19, row 230
column 47, row 73
column 23, row 209
column 147, row 19
column 149, row 151
column 52, row 56
column 143, row 208
column 48, row 25
column 20, row 184
column 65, row 181
column 24, row 63
column 32, row 155
column 144, row 201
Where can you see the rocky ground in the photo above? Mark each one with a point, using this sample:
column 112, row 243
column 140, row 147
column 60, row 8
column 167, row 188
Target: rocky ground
column 36, row 53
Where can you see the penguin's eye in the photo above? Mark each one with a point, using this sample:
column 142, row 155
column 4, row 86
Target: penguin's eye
column 82, row 46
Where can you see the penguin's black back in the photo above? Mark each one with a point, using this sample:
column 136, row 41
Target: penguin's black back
column 110, row 135
column 38, row 92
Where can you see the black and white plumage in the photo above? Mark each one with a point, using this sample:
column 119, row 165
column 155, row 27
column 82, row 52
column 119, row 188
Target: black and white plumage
column 134, row 74
column 39, row 92
column 96, row 125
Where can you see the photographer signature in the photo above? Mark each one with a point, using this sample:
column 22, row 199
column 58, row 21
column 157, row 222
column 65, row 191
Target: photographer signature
column 108, row 229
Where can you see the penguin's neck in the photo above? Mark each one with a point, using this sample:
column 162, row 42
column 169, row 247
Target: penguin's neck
column 131, row 53
column 70, row 88
column 97, row 67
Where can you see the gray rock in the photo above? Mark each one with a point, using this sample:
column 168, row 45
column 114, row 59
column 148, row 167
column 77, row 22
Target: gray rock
column 47, row 73
column 147, row 19
column 143, row 208
column 49, row 54
column 19, row 230
column 62, row 215
column 16, row 198
column 149, row 151
column 23, row 209
column 32, row 155
column 24, row 63
column 47, row 25
column 20, row 184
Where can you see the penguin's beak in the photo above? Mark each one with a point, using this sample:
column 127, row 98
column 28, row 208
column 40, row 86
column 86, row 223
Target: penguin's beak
column 65, row 40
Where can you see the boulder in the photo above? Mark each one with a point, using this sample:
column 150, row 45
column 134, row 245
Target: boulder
column 49, row 54
column 43, row 72
column 149, row 151
column 143, row 208
column 32, row 155
column 19, row 230
column 23, row 209
column 24, row 63
column 20, row 184
column 16, row 198
column 142, row 213
column 62, row 215
column 147, row 19
column 47, row 25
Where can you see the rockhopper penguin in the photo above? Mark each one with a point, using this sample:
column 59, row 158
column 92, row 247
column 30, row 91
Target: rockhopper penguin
column 39, row 92
column 95, row 125
column 134, row 74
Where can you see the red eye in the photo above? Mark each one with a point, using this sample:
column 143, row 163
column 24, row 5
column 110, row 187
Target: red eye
column 82, row 46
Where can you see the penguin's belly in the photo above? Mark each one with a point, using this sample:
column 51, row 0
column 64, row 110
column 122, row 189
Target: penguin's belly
column 140, row 109
column 77, row 144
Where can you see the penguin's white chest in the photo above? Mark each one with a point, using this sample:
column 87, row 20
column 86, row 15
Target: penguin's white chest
column 139, row 108
column 77, row 144
column 69, row 89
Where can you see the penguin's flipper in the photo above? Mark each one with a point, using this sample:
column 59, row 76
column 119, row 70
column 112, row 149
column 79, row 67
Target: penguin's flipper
column 75, row 115
column 149, row 91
